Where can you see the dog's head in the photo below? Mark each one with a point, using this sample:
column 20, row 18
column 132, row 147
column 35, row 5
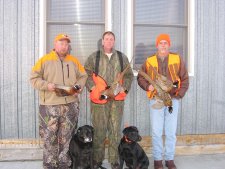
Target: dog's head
column 85, row 134
column 131, row 134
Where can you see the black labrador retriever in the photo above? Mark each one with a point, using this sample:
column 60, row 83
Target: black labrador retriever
column 81, row 148
column 130, row 151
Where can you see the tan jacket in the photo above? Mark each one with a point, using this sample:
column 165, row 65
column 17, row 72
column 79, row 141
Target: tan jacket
column 50, row 69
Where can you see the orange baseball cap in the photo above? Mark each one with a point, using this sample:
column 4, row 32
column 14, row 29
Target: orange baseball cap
column 62, row 36
column 165, row 37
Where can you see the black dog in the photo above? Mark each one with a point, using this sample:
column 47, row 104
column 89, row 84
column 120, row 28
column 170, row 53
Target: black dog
column 81, row 148
column 130, row 151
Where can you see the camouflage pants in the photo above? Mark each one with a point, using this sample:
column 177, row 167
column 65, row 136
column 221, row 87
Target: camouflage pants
column 56, row 125
column 106, row 118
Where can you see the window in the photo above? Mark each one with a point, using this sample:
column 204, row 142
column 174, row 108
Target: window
column 85, row 21
column 82, row 20
column 162, row 16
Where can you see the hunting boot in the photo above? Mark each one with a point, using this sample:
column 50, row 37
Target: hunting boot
column 158, row 164
column 170, row 164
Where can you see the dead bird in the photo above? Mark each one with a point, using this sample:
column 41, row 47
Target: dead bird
column 162, row 97
column 165, row 84
column 113, row 90
column 61, row 90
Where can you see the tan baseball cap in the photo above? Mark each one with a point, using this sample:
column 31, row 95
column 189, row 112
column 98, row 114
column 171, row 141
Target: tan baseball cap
column 62, row 36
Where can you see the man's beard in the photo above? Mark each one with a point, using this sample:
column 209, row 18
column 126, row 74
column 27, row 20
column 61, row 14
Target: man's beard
column 62, row 54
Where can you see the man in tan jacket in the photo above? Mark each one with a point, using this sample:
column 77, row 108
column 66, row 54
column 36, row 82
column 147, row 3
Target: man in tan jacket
column 58, row 114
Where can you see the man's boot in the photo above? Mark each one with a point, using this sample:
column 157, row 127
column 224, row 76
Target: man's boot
column 158, row 164
column 170, row 164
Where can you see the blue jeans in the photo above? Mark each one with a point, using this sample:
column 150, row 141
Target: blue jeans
column 162, row 119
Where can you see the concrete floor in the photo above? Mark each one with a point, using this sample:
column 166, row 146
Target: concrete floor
column 214, row 161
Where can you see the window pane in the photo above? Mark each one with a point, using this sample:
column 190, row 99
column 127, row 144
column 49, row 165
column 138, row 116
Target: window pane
column 144, row 44
column 160, row 11
column 75, row 10
column 85, row 39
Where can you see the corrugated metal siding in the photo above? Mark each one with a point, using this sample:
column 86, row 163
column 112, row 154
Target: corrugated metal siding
column 210, row 58
column 201, row 110
column 19, row 50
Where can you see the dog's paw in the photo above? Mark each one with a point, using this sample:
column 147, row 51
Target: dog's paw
column 115, row 165
column 98, row 165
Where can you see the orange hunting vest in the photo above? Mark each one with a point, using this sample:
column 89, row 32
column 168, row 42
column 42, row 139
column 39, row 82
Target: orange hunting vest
column 101, row 85
column 173, row 66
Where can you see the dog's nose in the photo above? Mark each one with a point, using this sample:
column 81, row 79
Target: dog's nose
column 86, row 140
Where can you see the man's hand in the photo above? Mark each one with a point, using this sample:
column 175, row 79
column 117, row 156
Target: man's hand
column 77, row 89
column 151, row 88
column 51, row 87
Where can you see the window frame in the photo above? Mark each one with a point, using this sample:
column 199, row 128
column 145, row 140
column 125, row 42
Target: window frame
column 191, row 37
column 190, row 33
column 42, row 31
column 44, row 22
column 129, row 29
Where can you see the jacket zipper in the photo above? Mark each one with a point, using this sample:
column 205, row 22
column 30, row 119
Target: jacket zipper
column 63, row 77
column 44, row 96
column 62, row 72
column 68, row 71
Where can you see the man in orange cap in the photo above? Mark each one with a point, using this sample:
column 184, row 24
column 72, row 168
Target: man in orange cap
column 172, row 66
column 58, row 114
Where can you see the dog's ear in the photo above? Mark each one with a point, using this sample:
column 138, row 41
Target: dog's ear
column 78, row 130
column 139, row 138
column 125, row 131
column 92, row 128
